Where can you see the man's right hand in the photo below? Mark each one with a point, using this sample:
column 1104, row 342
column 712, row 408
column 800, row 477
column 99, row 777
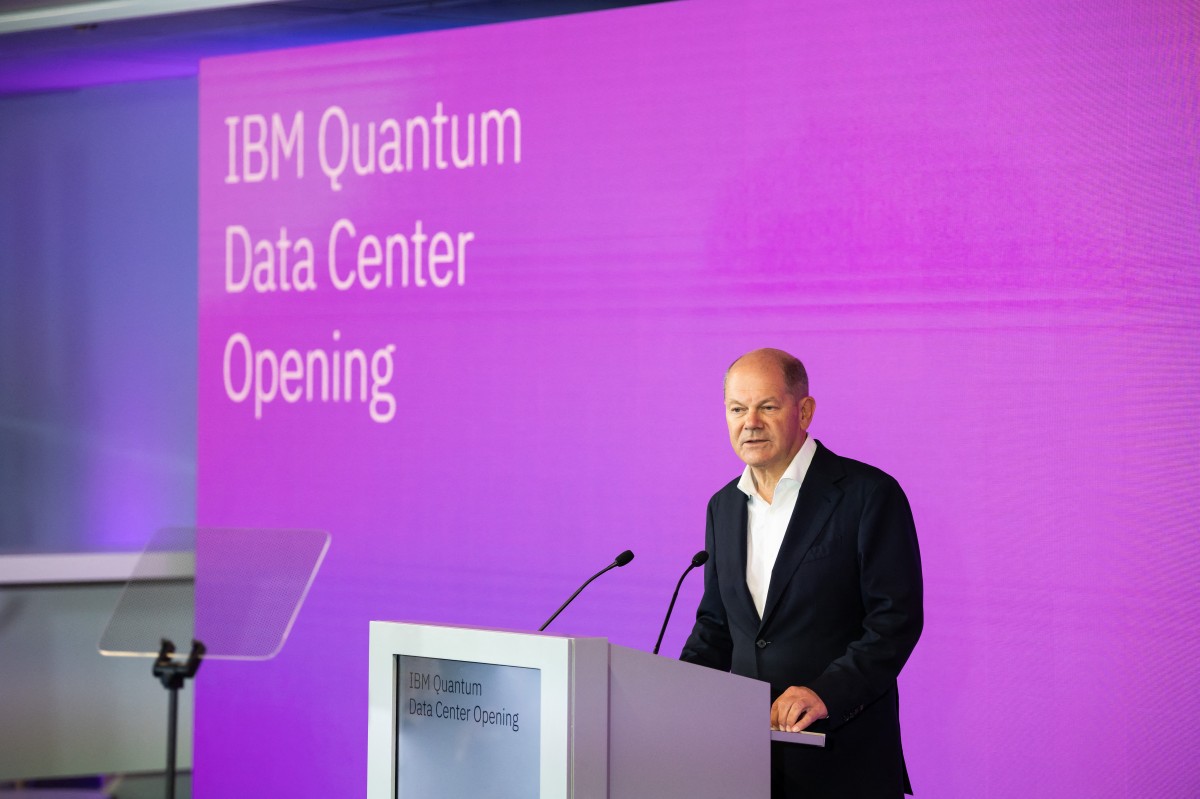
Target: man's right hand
column 797, row 708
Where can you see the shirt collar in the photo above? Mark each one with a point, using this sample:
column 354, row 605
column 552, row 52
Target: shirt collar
column 795, row 471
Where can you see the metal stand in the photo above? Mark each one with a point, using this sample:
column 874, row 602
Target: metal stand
column 173, row 673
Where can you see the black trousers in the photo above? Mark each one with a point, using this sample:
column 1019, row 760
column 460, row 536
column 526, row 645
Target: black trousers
column 806, row 772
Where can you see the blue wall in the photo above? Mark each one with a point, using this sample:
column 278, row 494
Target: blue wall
column 97, row 315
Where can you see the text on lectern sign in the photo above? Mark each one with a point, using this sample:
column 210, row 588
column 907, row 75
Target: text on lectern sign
column 466, row 729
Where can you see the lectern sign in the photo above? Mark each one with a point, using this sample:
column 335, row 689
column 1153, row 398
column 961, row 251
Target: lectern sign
column 458, row 721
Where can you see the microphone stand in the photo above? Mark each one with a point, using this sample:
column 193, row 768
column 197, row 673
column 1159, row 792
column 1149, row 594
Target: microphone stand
column 620, row 560
column 699, row 559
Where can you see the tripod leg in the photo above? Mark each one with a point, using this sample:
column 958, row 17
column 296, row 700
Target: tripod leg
column 172, row 725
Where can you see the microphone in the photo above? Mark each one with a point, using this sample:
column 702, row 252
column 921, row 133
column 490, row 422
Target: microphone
column 699, row 559
column 619, row 560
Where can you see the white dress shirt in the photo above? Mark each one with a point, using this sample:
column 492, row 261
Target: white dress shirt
column 767, row 521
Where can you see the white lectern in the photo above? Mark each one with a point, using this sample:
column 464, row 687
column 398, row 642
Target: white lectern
column 460, row 712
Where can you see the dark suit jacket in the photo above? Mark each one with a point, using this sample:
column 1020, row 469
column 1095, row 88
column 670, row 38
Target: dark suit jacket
column 843, row 613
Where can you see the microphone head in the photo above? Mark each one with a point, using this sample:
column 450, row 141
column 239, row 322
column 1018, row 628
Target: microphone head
column 624, row 557
column 700, row 558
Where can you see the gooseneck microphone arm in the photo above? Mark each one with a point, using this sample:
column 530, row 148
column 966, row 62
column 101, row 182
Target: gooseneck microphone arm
column 620, row 560
column 699, row 559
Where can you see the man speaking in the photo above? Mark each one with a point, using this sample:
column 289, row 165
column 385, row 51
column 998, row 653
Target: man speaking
column 813, row 584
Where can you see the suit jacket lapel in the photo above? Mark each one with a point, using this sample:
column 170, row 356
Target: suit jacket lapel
column 734, row 518
column 818, row 497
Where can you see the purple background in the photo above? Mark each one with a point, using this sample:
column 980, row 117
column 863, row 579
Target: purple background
column 978, row 227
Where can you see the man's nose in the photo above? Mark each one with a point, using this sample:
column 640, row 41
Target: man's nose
column 753, row 419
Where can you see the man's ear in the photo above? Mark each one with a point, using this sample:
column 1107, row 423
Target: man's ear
column 808, row 407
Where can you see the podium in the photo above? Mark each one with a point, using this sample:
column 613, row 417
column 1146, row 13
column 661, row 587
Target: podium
column 458, row 711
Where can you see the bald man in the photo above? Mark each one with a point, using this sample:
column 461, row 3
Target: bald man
column 813, row 584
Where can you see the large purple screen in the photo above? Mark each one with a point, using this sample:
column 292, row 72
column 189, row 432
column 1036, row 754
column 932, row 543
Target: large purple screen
column 466, row 299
